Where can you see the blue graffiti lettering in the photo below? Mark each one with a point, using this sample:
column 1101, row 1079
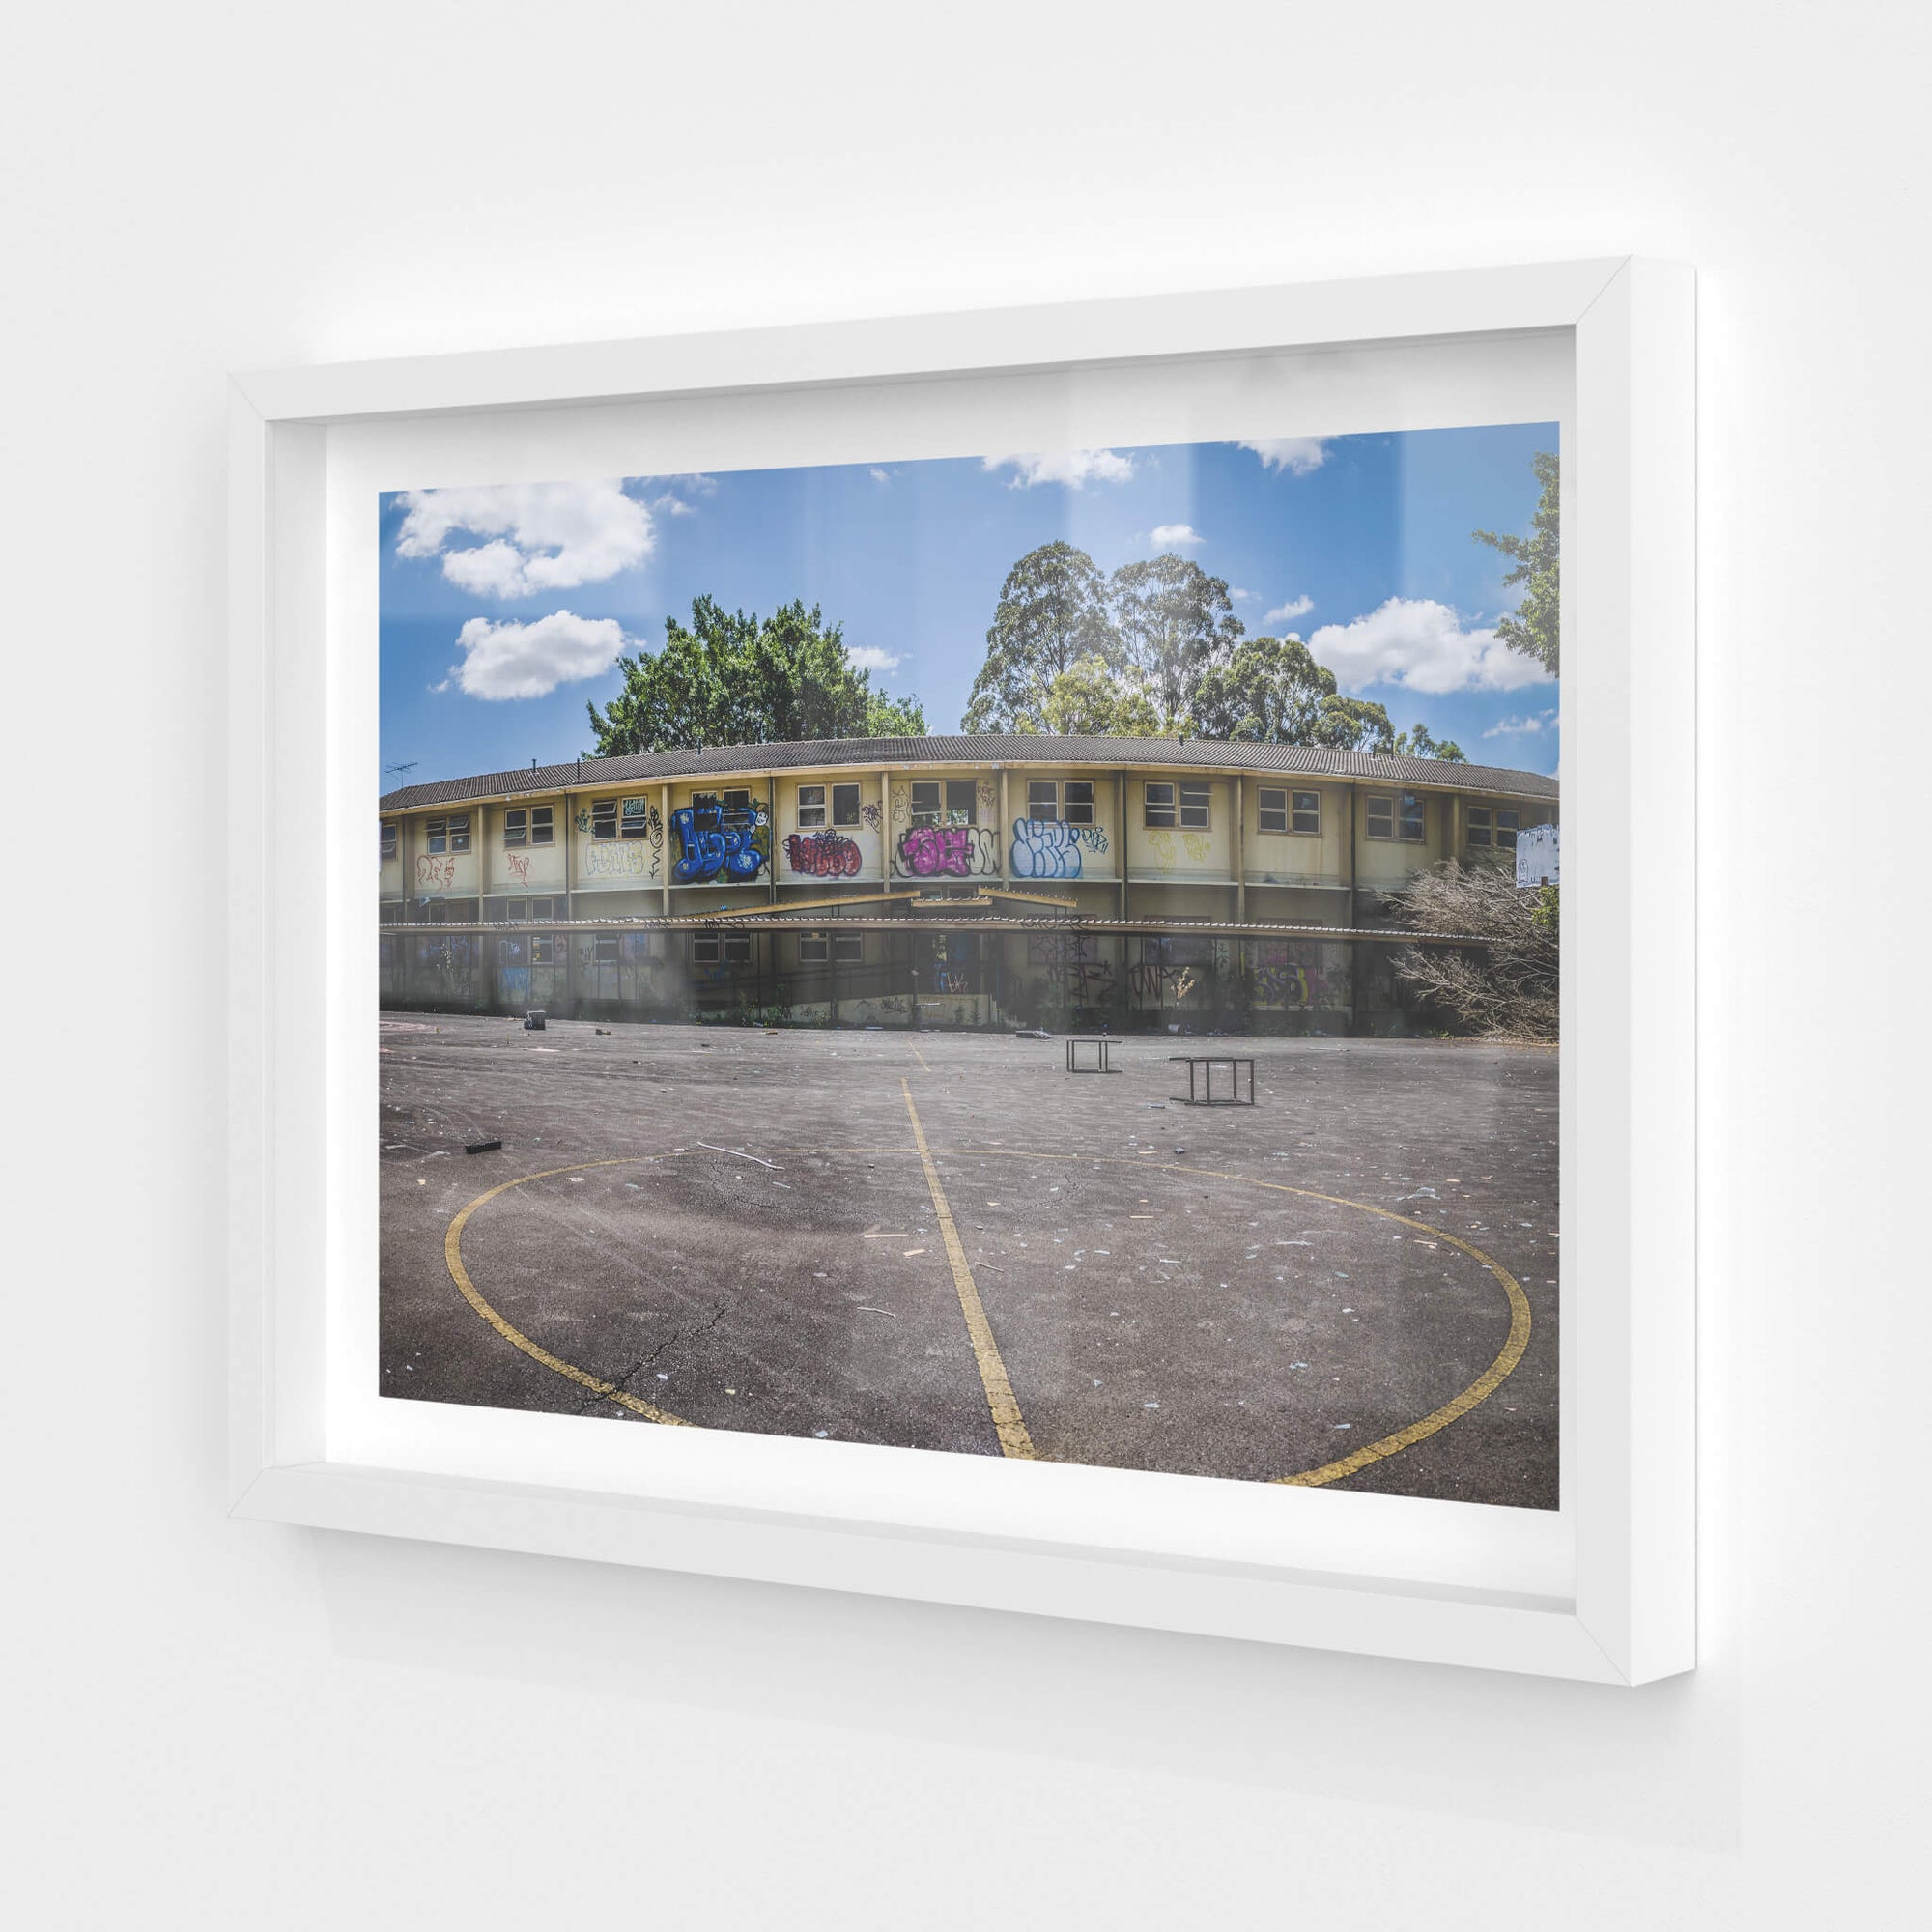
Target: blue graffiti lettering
column 713, row 841
column 1044, row 849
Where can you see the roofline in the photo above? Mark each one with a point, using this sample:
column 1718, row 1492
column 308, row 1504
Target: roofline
column 404, row 799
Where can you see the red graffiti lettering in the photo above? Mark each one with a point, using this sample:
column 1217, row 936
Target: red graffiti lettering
column 825, row 855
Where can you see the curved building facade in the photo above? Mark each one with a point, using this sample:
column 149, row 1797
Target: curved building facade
column 972, row 881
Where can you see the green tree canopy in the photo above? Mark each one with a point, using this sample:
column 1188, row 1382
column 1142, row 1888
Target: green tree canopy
column 1051, row 614
column 733, row 679
column 1175, row 623
column 1419, row 743
column 1269, row 692
column 1536, row 559
column 1092, row 700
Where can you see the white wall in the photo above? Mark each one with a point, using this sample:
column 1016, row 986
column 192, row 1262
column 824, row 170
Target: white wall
column 220, row 1725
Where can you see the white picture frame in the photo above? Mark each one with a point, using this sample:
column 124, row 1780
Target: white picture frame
column 1603, row 1589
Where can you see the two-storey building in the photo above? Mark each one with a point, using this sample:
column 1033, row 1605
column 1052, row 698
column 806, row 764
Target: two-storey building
column 956, row 881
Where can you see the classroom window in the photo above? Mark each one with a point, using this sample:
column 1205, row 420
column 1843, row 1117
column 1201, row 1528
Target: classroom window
column 604, row 818
column 542, row 824
column 1411, row 820
column 1507, row 822
column 810, row 806
column 634, row 819
column 1307, row 813
column 543, row 909
column 848, row 948
column 1195, row 801
column 1378, row 815
column 1079, row 805
column 542, row 948
column 1159, row 803
column 1270, row 810
column 925, row 801
column 447, row 835
column 516, row 828
column 1479, row 827
column 813, row 950
column 962, row 801
column 1043, row 800
column 388, row 847
column 845, row 804
column 732, row 951
column 604, row 949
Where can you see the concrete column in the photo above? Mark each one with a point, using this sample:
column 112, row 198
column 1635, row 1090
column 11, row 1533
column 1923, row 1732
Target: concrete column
column 1240, row 847
column 664, row 807
column 771, row 839
column 885, row 827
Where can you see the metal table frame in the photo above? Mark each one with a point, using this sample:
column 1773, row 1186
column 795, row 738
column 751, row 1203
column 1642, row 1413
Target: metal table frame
column 1207, row 1063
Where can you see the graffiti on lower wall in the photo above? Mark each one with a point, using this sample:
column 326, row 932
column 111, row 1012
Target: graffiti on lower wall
column 1077, row 962
column 1043, row 848
column 715, row 842
column 1279, row 976
column 823, row 855
column 947, row 851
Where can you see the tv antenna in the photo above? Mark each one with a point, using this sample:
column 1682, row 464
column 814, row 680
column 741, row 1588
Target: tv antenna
column 400, row 769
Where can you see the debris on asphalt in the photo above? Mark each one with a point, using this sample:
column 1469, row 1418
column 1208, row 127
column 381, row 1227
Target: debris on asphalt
column 482, row 1146
column 533, row 1022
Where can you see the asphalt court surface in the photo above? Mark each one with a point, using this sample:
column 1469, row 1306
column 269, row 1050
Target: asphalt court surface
column 736, row 1230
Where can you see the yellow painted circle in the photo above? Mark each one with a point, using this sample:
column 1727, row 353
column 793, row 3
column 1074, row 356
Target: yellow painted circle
column 1459, row 1404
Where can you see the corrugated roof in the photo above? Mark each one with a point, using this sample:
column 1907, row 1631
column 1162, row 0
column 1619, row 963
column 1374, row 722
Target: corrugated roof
column 723, row 761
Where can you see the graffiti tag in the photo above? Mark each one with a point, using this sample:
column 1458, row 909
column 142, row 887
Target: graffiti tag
column 519, row 864
column 951, row 851
column 612, row 861
column 714, row 841
column 871, row 816
column 1045, row 849
column 436, row 870
column 824, row 855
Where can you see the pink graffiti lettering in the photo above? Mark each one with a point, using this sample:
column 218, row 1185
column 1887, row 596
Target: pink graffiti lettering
column 436, row 870
column 951, row 851
column 519, row 864
column 825, row 855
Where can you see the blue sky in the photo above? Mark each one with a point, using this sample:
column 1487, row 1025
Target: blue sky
column 503, row 611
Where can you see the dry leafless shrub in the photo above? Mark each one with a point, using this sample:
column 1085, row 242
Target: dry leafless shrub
column 1507, row 987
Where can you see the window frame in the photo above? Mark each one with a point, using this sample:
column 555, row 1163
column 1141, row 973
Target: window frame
column 810, row 813
column 1370, row 800
column 1506, row 835
column 838, row 805
column 390, row 841
column 1204, row 803
column 599, row 941
column 926, row 816
column 1149, row 804
column 822, row 956
column 1297, row 811
column 1403, row 819
column 1262, row 809
column 848, row 948
column 516, row 825
column 633, row 824
column 1069, row 804
column 1034, row 815
column 605, row 814
column 1479, row 838
column 970, row 809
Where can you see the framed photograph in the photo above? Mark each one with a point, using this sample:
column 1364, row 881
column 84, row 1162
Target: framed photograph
column 967, row 988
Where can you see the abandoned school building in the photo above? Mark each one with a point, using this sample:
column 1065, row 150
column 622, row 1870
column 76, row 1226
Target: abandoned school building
column 981, row 881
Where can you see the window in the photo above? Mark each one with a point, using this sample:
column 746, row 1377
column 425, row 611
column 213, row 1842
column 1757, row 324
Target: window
column 1159, row 804
column 447, row 835
column 845, row 804
column 1507, row 822
column 1479, row 826
column 388, row 841
column 735, row 950
column 1411, row 821
column 542, row 824
column 634, row 819
column 1380, row 813
column 1279, row 810
column 1271, row 810
column 1186, row 805
column 1308, row 812
column 848, row 948
column 925, row 796
column 1194, row 803
column 1080, row 800
column 604, row 818
column 739, row 800
column 1043, row 800
column 542, row 948
column 549, row 909
column 810, row 806
column 604, row 949
column 813, row 950
column 962, row 801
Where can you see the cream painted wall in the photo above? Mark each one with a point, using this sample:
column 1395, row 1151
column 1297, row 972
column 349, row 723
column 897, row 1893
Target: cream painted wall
column 216, row 1725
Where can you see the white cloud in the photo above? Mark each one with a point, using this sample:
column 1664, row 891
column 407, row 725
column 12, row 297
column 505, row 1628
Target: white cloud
column 1295, row 455
column 1169, row 536
column 512, row 660
column 882, row 475
column 1245, row 596
column 1519, row 728
column 1070, row 466
column 1421, row 645
column 1287, row 613
column 870, row 657
column 542, row 536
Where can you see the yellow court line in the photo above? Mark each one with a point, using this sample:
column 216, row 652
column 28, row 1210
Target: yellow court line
column 452, row 1253
column 1012, row 1431
column 919, row 1056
